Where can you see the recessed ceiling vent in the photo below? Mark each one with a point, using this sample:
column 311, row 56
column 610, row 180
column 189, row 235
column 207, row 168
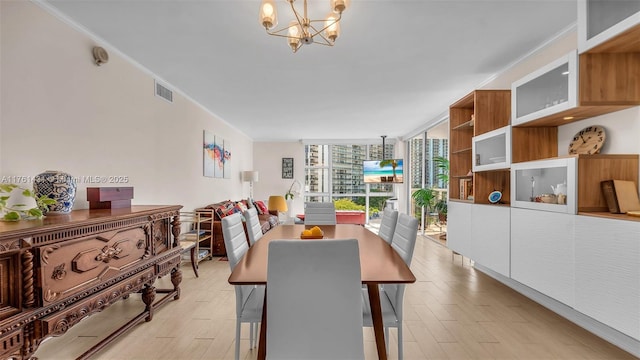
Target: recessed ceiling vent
column 164, row 92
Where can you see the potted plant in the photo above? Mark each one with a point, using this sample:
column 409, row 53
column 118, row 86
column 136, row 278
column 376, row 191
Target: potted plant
column 442, row 164
column 426, row 198
column 14, row 211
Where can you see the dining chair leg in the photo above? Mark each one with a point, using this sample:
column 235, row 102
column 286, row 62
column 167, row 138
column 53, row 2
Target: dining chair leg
column 386, row 338
column 400, row 350
column 251, row 325
column 255, row 334
column 238, row 339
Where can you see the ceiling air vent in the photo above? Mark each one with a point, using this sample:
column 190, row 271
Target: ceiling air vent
column 164, row 92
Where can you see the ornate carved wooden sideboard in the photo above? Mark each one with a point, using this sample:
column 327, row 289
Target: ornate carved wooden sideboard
column 56, row 271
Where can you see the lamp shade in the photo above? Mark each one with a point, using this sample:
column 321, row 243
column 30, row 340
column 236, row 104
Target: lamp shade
column 252, row 176
column 277, row 203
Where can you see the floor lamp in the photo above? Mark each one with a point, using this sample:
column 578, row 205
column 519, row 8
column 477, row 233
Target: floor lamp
column 251, row 177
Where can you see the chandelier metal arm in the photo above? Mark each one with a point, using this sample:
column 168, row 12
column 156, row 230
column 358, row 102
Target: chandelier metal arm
column 316, row 31
column 319, row 33
column 297, row 15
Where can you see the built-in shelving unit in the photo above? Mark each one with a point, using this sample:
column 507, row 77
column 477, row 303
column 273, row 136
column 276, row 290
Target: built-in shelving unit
column 554, row 234
column 474, row 119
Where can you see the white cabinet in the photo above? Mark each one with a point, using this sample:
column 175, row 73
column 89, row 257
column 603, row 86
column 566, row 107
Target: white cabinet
column 492, row 150
column 459, row 227
column 542, row 252
column 548, row 185
column 546, row 91
column 602, row 20
column 607, row 255
column 490, row 228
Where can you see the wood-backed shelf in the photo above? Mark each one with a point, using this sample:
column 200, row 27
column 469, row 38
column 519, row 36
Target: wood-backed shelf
column 464, row 126
column 461, row 151
column 461, row 201
column 607, row 82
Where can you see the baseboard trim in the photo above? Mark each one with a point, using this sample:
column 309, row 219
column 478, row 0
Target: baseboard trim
column 606, row 332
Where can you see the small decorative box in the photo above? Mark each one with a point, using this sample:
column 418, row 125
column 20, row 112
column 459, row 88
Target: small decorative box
column 109, row 197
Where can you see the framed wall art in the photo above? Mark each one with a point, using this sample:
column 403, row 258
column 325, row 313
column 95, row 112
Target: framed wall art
column 287, row 168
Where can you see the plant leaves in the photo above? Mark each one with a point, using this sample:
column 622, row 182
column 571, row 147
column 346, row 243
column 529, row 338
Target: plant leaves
column 11, row 216
column 8, row 187
column 35, row 212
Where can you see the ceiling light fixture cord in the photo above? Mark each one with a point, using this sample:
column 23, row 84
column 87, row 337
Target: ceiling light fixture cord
column 301, row 31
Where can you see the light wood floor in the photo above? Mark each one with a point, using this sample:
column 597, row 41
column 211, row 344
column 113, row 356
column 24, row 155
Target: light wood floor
column 451, row 312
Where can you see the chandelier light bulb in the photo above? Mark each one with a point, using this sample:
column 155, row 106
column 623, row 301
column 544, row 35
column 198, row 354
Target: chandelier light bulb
column 268, row 14
column 332, row 30
column 338, row 6
column 294, row 29
column 294, row 35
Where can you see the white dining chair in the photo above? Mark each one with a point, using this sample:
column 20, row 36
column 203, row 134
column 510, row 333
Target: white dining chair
column 392, row 295
column 314, row 304
column 249, row 298
column 254, row 230
column 388, row 224
column 319, row 213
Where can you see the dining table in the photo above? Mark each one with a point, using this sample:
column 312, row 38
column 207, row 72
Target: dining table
column 379, row 264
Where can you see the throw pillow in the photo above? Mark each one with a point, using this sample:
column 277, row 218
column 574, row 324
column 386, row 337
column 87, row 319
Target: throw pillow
column 225, row 208
column 241, row 207
column 262, row 208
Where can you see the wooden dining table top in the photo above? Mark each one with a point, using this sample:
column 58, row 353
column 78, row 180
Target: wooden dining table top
column 379, row 262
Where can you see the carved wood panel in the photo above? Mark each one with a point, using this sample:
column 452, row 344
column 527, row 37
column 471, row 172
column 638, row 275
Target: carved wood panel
column 58, row 323
column 69, row 267
column 9, row 297
column 160, row 235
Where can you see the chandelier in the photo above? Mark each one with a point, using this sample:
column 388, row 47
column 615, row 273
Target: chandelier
column 301, row 30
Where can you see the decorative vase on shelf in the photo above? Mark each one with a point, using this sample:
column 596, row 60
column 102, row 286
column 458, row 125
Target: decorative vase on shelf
column 59, row 186
column 289, row 209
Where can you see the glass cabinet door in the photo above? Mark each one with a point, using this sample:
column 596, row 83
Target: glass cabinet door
column 492, row 150
column 601, row 20
column 548, row 90
column 548, row 185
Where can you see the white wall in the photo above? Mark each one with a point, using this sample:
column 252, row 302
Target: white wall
column 267, row 159
column 59, row 111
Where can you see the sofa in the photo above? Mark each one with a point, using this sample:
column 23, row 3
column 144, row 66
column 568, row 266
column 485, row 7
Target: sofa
column 217, row 211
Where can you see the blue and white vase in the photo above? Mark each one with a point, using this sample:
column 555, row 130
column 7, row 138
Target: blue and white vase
column 59, row 186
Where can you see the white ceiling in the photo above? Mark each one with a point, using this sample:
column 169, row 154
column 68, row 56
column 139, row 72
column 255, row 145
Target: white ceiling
column 397, row 65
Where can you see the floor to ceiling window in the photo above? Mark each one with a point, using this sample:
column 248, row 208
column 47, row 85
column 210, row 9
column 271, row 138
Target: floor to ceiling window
column 334, row 172
column 428, row 159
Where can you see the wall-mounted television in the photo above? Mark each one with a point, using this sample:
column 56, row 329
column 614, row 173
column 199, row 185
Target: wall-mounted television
column 383, row 171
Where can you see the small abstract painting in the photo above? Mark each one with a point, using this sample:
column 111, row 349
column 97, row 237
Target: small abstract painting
column 226, row 159
column 209, row 154
column 218, row 168
column 217, row 156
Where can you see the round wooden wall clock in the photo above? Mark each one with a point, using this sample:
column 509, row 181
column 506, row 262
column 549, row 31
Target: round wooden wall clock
column 588, row 140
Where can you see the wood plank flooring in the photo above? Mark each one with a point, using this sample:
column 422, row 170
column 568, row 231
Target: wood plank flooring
column 451, row 312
